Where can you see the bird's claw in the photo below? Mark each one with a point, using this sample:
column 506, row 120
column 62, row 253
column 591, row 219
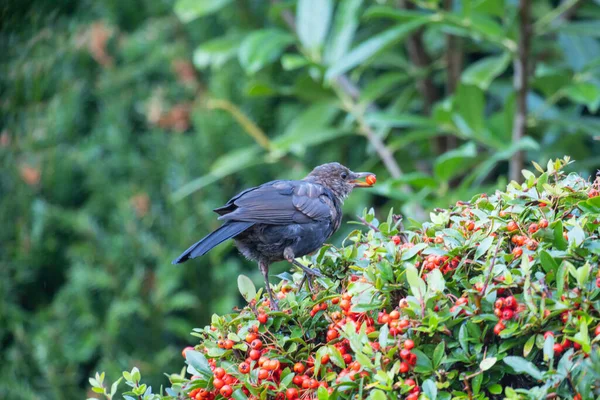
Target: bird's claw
column 312, row 272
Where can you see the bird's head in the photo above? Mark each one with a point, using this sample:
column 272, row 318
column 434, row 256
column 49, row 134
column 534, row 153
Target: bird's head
column 339, row 179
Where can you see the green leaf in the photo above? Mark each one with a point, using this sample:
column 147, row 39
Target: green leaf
column 438, row 354
column 189, row 10
column 383, row 335
column 197, row 361
column 411, row 252
column 519, row 364
column 262, row 47
column 483, row 247
column 312, row 22
column 377, row 394
column 586, row 93
column 372, row 46
column 463, row 337
column 559, row 241
column 246, row 287
column 436, row 282
column 344, row 26
column 336, row 357
column 529, row 345
column 487, row 363
column 561, row 278
column 582, row 337
column 214, row 53
column 430, row 389
column 322, row 393
column 548, row 348
column 470, row 104
column 238, row 394
column 451, row 163
column 495, row 389
column 482, row 72
column 548, row 263
column 417, row 285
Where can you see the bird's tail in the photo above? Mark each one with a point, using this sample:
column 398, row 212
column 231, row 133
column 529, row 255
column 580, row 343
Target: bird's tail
column 204, row 245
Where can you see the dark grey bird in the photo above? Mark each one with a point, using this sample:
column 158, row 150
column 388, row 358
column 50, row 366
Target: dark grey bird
column 283, row 220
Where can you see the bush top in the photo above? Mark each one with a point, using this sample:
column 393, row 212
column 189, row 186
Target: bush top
column 496, row 297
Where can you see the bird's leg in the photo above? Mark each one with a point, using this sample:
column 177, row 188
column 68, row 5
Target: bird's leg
column 264, row 268
column 307, row 270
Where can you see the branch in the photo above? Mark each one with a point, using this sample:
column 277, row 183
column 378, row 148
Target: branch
column 521, row 85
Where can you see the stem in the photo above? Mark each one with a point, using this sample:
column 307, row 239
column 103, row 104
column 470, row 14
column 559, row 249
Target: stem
column 521, row 85
column 491, row 268
column 249, row 126
column 376, row 229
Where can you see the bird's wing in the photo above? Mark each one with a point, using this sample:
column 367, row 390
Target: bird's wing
column 279, row 203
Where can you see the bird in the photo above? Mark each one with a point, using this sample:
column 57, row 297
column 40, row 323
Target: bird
column 283, row 220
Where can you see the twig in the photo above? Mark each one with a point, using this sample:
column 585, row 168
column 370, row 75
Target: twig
column 370, row 225
column 521, row 85
column 491, row 268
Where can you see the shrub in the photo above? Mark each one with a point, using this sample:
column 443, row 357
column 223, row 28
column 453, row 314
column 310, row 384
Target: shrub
column 496, row 297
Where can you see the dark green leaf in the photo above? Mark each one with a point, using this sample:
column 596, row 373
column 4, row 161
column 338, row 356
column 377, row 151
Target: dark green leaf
column 262, row 47
column 519, row 364
column 312, row 22
column 484, row 71
column 188, row 10
column 344, row 25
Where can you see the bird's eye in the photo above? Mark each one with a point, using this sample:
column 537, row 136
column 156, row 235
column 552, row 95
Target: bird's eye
column 344, row 175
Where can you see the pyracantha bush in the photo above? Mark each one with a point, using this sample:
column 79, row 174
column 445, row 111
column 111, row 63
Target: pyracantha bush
column 495, row 298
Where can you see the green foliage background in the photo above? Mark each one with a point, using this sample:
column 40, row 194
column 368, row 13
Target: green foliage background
column 124, row 123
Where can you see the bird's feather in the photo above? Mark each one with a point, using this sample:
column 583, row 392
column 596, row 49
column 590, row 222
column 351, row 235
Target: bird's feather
column 204, row 245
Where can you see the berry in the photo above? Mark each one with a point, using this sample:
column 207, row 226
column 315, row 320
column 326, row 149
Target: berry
column 256, row 344
column 597, row 331
column 299, row 368
column 395, row 314
column 263, row 373
column 512, row 226
column 396, row 239
column 250, row 337
column 543, row 223
column 254, row 354
column 533, row 228
column 219, row 372
column 218, row 383
column 332, row 334
column 244, row 368
column 262, row 318
column 410, row 382
column 404, row 367
column 291, row 393
column 371, row 179
column 558, row 348
column 517, row 251
column 409, row 344
column 548, row 334
column 499, row 328
column 405, row 354
column 226, row 391
column 511, row 302
column 507, row 314
column 499, row 303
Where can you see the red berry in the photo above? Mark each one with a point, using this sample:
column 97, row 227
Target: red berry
column 598, row 282
column 533, row 228
column 256, row 344
column 299, row 368
column 558, row 348
column 507, row 314
column 412, row 360
column 371, row 179
column 395, row 314
column 263, row 373
column 396, row 239
column 511, row 302
column 512, row 226
column 410, row 382
column 291, row 394
column 404, row 367
column 219, row 372
column 409, row 344
column 218, row 383
column 262, row 318
column 226, row 391
column 593, row 193
column 405, row 354
column 543, row 223
column 548, row 334
column 325, row 359
column 254, row 354
column 499, row 328
column 517, row 251
column 332, row 334
column 597, row 331
column 250, row 337
column 499, row 303
column 244, row 368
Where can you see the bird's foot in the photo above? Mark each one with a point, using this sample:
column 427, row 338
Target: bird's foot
column 307, row 270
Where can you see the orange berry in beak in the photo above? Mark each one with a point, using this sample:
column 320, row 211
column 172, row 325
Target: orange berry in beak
column 371, row 179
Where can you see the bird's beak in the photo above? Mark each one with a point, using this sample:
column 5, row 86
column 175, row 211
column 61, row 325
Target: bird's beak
column 369, row 178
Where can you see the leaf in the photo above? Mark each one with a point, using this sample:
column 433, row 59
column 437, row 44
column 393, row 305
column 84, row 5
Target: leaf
column 462, row 338
column 214, row 53
column 238, row 394
column 469, row 118
column 548, row 262
column 262, row 47
column 430, row 389
column 481, row 73
column 336, row 357
column 312, row 22
column 436, row 282
column 411, row 252
column 561, row 278
column 548, row 348
column 586, row 93
column 452, row 162
column 559, row 241
column 322, row 393
column 196, row 360
column 344, row 26
column 189, row 10
column 487, row 363
column 495, row 389
column 372, row 46
column 519, row 364
column 483, row 247
column 114, row 387
column 438, row 354
column 383, row 335
column 582, row 337
column 529, row 345
column 377, row 394
column 417, row 285
column 246, row 287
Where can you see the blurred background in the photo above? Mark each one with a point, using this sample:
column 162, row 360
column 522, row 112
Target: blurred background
column 124, row 123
